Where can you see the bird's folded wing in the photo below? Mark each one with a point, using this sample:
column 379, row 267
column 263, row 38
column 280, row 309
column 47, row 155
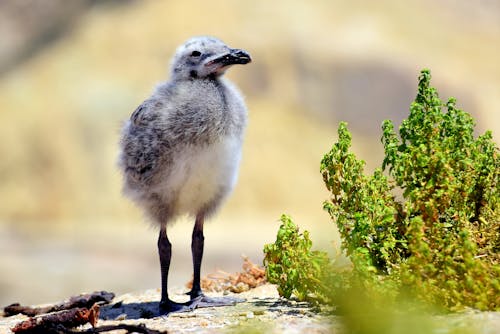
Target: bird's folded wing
column 146, row 113
column 143, row 143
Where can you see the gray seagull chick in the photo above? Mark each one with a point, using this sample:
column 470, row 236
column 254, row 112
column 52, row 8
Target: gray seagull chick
column 181, row 148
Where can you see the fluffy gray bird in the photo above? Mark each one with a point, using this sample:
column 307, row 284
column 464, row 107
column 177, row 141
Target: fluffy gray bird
column 181, row 149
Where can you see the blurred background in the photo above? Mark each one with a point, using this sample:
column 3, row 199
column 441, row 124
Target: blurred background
column 72, row 71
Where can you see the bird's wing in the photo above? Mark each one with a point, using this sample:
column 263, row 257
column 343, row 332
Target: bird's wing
column 142, row 144
column 145, row 114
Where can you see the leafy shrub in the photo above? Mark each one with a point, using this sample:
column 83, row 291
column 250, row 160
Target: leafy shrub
column 452, row 196
column 292, row 264
column 441, row 240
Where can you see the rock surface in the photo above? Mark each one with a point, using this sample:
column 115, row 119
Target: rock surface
column 262, row 312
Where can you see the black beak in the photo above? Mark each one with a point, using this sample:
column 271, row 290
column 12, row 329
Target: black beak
column 235, row 56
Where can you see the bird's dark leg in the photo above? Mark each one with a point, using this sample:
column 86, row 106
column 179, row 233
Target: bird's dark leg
column 165, row 252
column 197, row 245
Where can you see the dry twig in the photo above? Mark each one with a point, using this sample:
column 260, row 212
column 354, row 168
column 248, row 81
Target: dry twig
column 83, row 300
column 142, row 329
column 57, row 321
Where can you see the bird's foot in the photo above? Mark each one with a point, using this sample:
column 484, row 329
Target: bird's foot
column 168, row 306
column 205, row 301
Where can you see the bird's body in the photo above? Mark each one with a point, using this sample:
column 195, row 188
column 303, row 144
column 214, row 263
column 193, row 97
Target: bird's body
column 180, row 149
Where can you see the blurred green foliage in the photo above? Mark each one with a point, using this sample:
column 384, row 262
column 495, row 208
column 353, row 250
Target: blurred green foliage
column 296, row 268
column 439, row 243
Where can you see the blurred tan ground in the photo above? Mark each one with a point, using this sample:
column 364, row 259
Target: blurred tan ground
column 64, row 226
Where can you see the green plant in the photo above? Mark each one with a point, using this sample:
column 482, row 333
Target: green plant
column 440, row 242
column 451, row 202
column 364, row 209
column 294, row 267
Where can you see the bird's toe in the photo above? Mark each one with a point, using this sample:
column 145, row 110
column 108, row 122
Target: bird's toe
column 218, row 301
column 169, row 306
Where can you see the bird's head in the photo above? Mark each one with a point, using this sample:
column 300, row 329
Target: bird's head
column 205, row 57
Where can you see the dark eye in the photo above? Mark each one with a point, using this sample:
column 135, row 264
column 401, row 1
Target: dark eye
column 195, row 54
